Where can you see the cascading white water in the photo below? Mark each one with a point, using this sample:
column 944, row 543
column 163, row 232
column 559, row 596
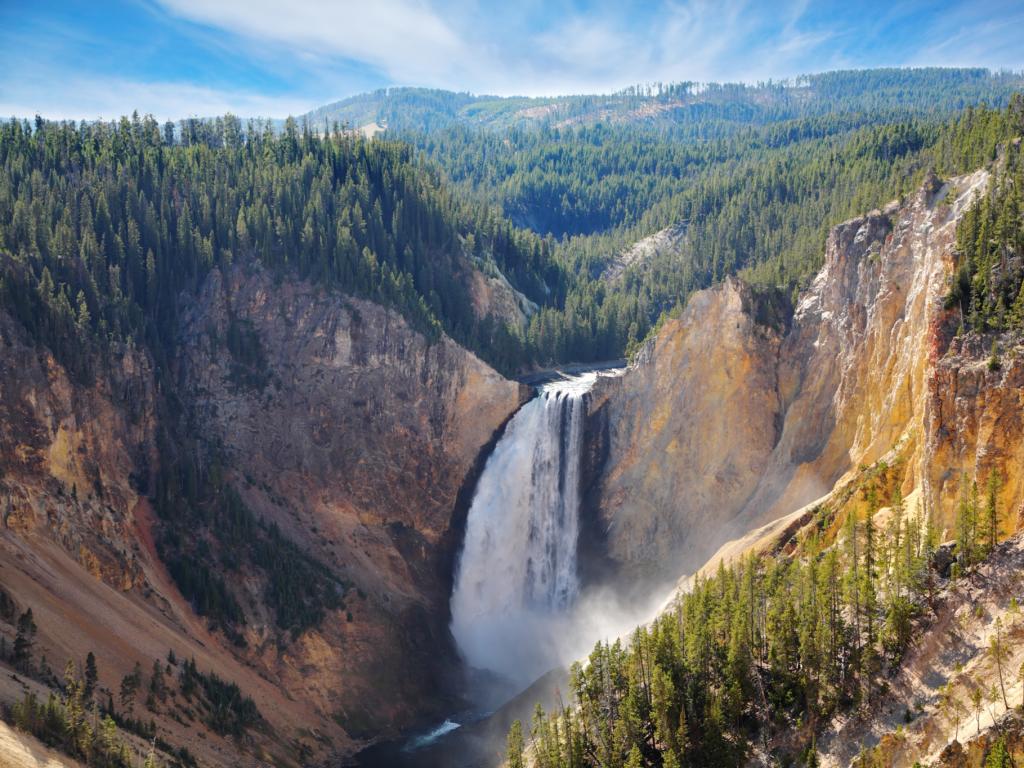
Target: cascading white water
column 516, row 579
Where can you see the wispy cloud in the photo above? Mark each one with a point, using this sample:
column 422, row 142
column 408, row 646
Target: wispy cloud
column 604, row 46
column 974, row 34
column 88, row 98
column 695, row 40
column 267, row 57
column 406, row 39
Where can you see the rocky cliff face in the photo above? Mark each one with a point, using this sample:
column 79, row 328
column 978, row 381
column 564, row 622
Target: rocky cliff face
column 336, row 421
column 356, row 442
column 688, row 430
column 722, row 424
column 975, row 425
column 74, row 456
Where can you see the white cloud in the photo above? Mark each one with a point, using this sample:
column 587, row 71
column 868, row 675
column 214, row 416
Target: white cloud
column 975, row 35
column 85, row 98
column 695, row 40
column 464, row 47
column 405, row 39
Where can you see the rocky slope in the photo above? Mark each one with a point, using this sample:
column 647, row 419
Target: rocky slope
column 662, row 242
column 494, row 296
column 1006, row 732
column 907, row 722
column 351, row 432
column 721, row 415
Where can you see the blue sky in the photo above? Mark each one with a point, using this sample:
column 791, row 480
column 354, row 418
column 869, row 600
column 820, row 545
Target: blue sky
column 175, row 58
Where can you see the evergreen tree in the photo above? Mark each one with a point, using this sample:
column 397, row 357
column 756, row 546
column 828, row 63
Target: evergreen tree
column 514, row 754
column 977, row 698
column 999, row 653
column 951, row 706
column 129, row 687
column 24, row 640
column 157, row 686
column 91, row 677
column 853, row 582
column 967, row 525
column 999, row 755
column 868, row 600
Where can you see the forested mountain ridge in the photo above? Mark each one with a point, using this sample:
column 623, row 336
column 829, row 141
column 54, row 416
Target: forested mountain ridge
column 759, row 204
column 113, row 221
column 703, row 109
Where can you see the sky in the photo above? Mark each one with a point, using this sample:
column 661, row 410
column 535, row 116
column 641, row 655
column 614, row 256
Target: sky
column 87, row 59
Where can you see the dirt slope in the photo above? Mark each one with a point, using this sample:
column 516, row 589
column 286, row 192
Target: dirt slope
column 951, row 647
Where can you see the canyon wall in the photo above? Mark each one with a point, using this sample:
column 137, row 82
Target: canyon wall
column 357, row 445
column 686, row 433
column 723, row 423
column 351, row 432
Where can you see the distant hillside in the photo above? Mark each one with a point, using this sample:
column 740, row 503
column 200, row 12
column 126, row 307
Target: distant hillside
column 712, row 107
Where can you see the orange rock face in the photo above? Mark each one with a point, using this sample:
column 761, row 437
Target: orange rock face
column 722, row 424
column 690, row 429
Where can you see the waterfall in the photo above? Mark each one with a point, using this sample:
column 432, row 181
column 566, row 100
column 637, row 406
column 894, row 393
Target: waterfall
column 516, row 580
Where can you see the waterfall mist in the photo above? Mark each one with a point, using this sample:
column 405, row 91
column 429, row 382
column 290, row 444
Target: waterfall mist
column 516, row 607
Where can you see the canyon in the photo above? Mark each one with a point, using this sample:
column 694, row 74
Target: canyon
column 366, row 445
